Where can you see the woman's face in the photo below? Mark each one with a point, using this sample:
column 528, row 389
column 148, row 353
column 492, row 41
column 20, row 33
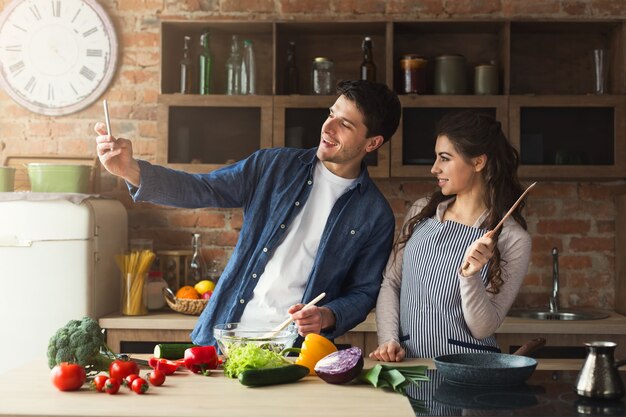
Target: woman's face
column 455, row 174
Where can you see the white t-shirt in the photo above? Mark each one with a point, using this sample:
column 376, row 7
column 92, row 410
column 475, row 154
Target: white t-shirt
column 282, row 283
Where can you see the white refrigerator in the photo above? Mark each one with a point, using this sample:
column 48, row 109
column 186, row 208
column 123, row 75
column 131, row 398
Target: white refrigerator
column 57, row 263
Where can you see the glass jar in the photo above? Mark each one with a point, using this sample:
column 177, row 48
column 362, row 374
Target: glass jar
column 323, row 76
column 413, row 69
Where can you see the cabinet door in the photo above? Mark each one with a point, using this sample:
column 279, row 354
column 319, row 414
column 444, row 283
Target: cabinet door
column 202, row 133
column 569, row 138
column 298, row 123
column 413, row 147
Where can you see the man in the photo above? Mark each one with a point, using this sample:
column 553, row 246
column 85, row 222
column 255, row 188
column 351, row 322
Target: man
column 313, row 219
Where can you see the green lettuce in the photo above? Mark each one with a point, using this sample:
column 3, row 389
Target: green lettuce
column 250, row 356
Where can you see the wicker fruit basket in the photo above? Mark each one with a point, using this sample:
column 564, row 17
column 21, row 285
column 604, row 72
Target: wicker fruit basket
column 184, row 305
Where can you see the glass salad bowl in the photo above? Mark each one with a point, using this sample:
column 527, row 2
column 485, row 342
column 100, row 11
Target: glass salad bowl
column 229, row 335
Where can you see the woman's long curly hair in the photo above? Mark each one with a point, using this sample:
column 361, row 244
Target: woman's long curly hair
column 474, row 134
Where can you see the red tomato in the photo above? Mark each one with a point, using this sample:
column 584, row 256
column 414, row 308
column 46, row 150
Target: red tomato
column 68, row 376
column 121, row 369
column 156, row 377
column 129, row 379
column 112, row 385
column 98, row 382
column 140, row 386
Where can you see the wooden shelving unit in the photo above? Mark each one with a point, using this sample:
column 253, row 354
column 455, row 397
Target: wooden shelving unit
column 544, row 102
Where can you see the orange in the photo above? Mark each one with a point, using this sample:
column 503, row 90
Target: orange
column 187, row 292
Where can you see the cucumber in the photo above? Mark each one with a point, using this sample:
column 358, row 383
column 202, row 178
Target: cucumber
column 171, row 350
column 273, row 376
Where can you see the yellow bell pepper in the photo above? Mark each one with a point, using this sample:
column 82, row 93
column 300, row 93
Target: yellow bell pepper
column 314, row 347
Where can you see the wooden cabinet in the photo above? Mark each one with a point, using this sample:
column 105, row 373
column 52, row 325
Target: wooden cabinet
column 544, row 101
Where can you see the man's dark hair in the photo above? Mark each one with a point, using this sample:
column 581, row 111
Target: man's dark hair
column 379, row 105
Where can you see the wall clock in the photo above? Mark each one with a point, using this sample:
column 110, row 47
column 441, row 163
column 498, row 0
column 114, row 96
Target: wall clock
column 56, row 56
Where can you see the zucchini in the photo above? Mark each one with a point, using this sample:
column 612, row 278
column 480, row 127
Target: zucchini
column 171, row 350
column 273, row 376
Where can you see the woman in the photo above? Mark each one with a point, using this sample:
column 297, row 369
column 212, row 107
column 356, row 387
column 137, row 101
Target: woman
column 449, row 282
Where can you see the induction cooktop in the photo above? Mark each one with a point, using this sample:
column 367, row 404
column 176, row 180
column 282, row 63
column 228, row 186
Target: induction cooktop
column 545, row 394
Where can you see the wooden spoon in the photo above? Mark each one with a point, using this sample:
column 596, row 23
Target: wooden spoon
column 288, row 321
column 508, row 213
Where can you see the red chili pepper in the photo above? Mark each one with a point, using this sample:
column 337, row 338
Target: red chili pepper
column 200, row 359
column 164, row 365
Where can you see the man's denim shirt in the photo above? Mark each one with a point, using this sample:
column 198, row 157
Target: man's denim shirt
column 272, row 186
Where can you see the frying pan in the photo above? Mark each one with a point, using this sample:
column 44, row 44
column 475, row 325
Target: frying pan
column 489, row 369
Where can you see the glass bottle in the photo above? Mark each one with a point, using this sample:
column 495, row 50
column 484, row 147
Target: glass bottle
column 368, row 68
column 233, row 69
column 204, row 64
column 197, row 265
column 185, row 69
column 291, row 70
column 248, row 69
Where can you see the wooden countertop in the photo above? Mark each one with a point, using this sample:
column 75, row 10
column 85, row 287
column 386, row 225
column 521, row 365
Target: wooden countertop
column 27, row 391
column 170, row 320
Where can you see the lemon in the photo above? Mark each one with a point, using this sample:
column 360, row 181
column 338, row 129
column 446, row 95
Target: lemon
column 204, row 286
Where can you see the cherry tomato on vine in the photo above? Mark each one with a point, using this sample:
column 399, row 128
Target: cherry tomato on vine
column 98, row 382
column 121, row 369
column 156, row 377
column 129, row 379
column 68, row 376
column 112, row 385
column 140, row 386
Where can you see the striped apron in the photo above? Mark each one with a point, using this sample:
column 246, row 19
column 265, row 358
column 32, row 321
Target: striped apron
column 431, row 317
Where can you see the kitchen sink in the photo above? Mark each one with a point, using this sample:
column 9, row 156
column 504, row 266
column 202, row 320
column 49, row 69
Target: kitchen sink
column 562, row 314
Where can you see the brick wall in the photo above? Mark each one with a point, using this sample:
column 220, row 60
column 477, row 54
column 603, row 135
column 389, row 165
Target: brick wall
column 578, row 218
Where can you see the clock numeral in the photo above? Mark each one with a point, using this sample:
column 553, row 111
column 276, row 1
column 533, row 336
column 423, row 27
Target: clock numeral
column 90, row 32
column 13, row 48
column 35, row 11
column 56, row 8
column 19, row 27
column 17, row 67
column 87, row 73
column 76, row 15
column 50, row 92
column 73, row 89
column 30, row 85
column 94, row 52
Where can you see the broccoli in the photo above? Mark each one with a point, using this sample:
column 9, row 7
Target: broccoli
column 81, row 342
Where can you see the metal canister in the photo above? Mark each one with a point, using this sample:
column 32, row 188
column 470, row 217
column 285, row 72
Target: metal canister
column 486, row 79
column 413, row 74
column 450, row 77
column 323, row 76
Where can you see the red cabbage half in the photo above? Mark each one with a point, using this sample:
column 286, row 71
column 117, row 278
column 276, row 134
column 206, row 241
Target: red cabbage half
column 340, row 367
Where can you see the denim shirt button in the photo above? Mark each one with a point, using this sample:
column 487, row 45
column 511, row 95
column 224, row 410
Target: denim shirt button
column 253, row 275
column 297, row 203
column 242, row 301
column 282, row 226
column 264, row 249
column 352, row 232
column 309, row 182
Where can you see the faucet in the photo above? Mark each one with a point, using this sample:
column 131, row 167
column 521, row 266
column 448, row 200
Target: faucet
column 554, row 297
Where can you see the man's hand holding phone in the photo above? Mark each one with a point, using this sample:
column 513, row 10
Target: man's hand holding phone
column 116, row 155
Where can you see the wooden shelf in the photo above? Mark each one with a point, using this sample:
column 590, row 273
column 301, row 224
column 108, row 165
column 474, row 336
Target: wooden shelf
column 545, row 70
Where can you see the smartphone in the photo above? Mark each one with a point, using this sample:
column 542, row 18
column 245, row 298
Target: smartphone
column 107, row 120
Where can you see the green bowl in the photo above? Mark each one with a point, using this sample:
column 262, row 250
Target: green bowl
column 57, row 178
column 7, row 177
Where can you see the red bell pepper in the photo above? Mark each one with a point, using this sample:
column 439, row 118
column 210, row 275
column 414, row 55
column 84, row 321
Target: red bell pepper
column 166, row 366
column 201, row 359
